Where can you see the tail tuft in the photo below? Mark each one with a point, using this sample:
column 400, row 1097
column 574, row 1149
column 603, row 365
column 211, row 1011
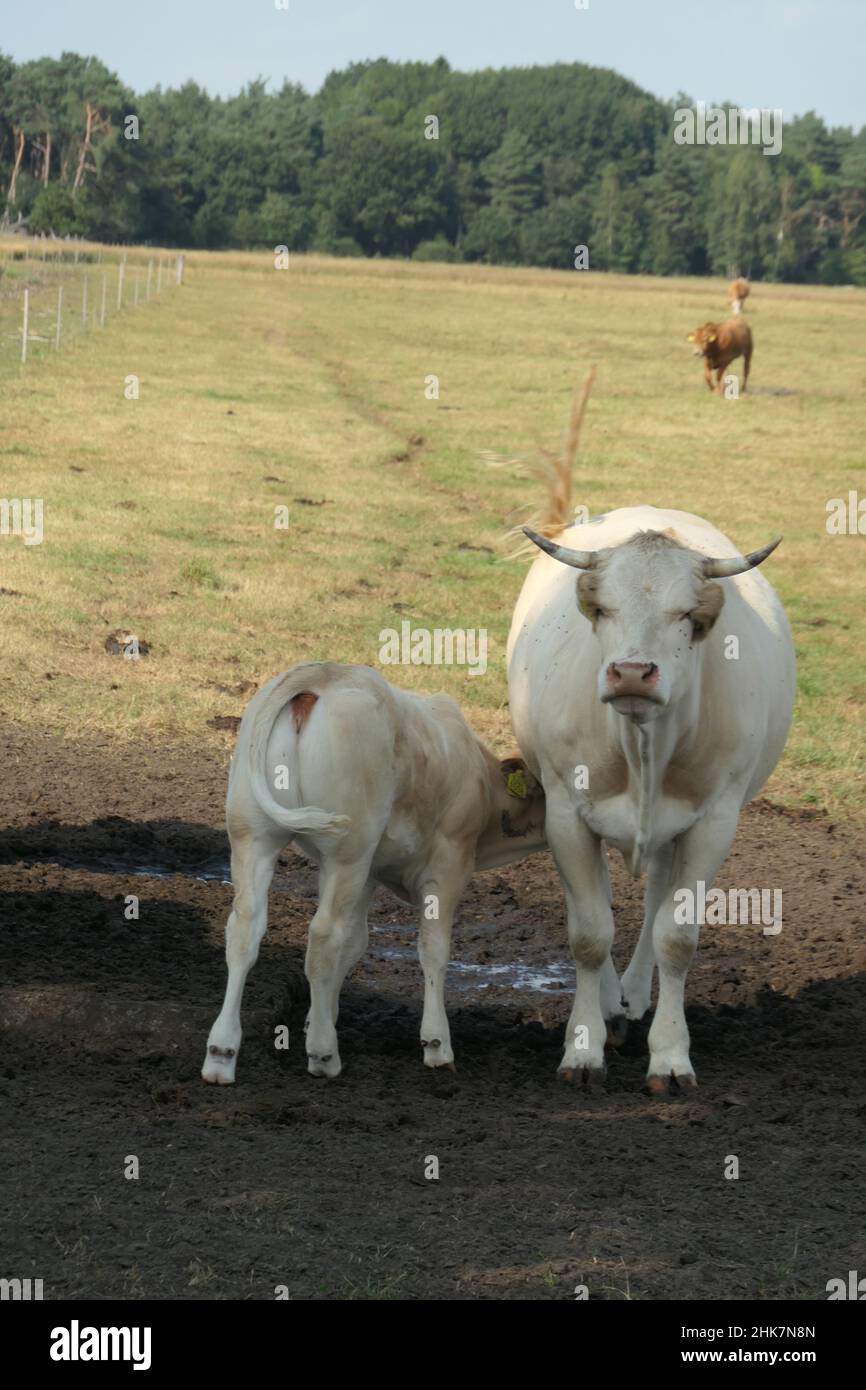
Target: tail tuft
column 556, row 471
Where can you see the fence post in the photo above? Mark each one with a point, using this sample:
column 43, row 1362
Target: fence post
column 120, row 270
column 137, row 278
column 178, row 272
column 104, row 292
column 59, row 316
column 25, row 327
column 159, row 275
column 84, row 303
column 149, row 273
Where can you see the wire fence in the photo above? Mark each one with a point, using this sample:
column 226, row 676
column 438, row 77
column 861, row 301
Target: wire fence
column 53, row 293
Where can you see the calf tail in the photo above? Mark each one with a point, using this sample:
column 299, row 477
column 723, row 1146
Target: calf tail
column 302, row 818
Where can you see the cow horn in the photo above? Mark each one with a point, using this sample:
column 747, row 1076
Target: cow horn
column 579, row 559
column 738, row 564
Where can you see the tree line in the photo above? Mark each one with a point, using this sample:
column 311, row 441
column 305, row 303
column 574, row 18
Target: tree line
column 519, row 166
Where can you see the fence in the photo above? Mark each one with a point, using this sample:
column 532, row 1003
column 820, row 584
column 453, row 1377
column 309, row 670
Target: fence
column 55, row 292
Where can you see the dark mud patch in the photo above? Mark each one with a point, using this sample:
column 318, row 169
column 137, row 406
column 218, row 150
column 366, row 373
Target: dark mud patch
column 321, row 1186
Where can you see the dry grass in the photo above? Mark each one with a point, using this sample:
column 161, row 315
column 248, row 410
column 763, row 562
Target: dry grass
column 159, row 512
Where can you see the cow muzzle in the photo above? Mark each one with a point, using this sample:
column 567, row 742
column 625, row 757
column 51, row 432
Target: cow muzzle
column 632, row 687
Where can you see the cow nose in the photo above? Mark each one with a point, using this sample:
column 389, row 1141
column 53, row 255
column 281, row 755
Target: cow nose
column 631, row 677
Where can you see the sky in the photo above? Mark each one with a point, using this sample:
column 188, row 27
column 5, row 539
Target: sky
column 797, row 55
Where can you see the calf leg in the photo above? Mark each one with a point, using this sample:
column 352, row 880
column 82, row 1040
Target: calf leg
column 580, row 860
column 747, row 358
column 700, row 853
column 440, row 894
column 354, row 944
column 612, row 1009
column 253, row 860
column 336, row 941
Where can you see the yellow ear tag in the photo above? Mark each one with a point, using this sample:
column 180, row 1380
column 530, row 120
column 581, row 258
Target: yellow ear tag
column 691, row 337
column 712, row 338
column 517, row 783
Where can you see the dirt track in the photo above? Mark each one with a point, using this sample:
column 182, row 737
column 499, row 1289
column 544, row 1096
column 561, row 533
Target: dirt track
column 320, row 1186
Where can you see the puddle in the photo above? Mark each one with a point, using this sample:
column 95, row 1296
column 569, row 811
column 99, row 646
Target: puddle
column 546, row 979
column 212, row 871
column 552, row 978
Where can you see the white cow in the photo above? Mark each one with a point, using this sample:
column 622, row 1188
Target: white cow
column 377, row 786
column 652, row 703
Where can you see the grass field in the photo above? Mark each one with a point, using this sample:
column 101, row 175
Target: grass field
column 305, row 388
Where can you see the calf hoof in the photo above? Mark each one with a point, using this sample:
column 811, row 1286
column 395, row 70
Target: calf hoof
column 590, row 1077
column 435, row 1055
column 636, row 1000
column 219, row 1066
column 329, row 1066
column 617, row 1030
column 671, row 1085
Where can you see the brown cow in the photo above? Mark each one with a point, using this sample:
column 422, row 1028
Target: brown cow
column 738, row 290
column 720, row 344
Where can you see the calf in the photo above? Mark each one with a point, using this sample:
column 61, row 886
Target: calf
column 720, row 344
column 377, row 786
column 738, row 292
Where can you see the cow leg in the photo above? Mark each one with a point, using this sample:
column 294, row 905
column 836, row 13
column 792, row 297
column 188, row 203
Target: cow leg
column 335, row 943
column 698, row 857
column 747, row 358
column 253, row 860
column 439, row 897
column 637, row 982
column 580, row 860
column 708, row 374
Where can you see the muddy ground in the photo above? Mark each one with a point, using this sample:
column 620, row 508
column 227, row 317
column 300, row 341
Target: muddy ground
column 320, row 1186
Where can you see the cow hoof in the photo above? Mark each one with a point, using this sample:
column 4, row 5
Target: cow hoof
column 617, row 1030
column 591, row 1078
column 671, row 1085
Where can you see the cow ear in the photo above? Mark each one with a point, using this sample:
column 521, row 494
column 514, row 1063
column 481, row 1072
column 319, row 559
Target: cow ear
column 587, row 595
column 708, row 608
